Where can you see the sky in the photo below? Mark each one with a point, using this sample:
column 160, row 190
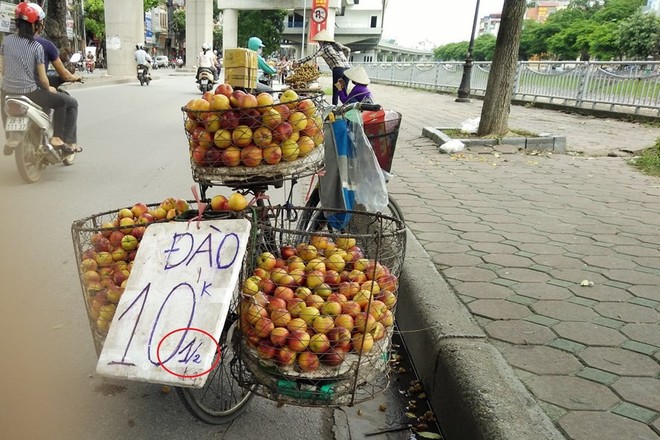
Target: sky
column 437, row 21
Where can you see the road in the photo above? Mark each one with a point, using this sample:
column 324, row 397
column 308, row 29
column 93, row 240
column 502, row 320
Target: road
column 134, row 151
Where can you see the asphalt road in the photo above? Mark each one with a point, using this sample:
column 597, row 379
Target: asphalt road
column 134, row 151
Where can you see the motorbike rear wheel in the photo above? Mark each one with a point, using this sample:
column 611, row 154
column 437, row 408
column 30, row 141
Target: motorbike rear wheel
column 141, row 78
column 30, row 160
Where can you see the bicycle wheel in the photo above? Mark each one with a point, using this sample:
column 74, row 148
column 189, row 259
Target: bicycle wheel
column 221, row 399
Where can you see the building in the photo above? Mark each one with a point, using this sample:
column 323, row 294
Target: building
column 543, row 10
column 490, row 24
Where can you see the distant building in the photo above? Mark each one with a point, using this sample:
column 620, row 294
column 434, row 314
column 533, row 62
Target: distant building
column 653, row 6
column 543, row 10
column 490, row 24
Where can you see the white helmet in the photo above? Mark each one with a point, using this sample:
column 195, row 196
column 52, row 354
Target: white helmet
column 206, row 46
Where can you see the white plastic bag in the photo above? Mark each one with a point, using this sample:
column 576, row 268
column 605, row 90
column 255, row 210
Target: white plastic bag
column 452, row 146
column 470, row 125
column 365, row 175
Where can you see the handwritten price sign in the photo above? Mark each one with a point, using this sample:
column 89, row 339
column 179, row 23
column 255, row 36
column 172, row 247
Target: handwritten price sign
column 175, row 303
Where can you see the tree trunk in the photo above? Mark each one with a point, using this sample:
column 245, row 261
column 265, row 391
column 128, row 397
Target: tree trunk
column 56, row 23
column 495, row 111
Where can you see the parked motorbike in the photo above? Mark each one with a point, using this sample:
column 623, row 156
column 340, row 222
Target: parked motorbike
column 205, row 79
column 143, row 74
column 77, row 60
column 28, row 129
column 90, row 64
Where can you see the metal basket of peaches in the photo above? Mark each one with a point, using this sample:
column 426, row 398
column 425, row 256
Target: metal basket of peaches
column 317, row 310
column 236, row 136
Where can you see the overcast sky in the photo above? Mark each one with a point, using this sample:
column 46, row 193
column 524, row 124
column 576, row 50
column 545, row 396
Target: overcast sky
column 438, row 21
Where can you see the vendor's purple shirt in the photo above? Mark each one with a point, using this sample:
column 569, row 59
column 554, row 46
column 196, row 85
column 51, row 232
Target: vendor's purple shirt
column 359, row 93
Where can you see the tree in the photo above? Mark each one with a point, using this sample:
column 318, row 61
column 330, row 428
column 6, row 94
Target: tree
column 495, row 111
column 639, row 36
column 484, row 47
column 267, row 25
column 56, row 23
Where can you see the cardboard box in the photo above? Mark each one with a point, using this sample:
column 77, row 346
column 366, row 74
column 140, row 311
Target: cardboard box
column 241, row 77
column 240, row 58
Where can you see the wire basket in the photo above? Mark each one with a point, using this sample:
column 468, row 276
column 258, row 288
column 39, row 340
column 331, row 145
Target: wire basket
column 105, row 245
column 382, row 130
column 248, row 141
column 317, row 309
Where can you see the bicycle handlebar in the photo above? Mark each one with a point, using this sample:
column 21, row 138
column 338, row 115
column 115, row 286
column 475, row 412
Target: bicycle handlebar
column 362, row 106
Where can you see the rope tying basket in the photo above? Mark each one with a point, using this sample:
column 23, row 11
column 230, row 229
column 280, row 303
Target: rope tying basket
column 317, row 307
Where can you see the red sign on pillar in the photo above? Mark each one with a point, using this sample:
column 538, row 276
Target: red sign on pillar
column 319, row 18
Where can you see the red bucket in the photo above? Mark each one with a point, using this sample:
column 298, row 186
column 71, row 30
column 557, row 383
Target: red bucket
column 382, row 130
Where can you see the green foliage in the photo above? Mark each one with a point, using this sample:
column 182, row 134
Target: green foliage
column 267, row 25
column 639, row 36
column 484, row 47
column 179, row 24
column 605, row 30
column 649, row 161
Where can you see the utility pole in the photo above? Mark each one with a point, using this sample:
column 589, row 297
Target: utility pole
column 464, row 88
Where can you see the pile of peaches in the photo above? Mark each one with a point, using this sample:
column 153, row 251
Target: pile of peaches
column 315, row 304
column 231, row 128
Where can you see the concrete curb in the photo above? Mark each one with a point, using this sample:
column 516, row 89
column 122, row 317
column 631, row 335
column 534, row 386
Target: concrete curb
column 473, row 390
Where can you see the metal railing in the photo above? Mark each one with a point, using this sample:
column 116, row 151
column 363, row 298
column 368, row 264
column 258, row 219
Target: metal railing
column 627, row 87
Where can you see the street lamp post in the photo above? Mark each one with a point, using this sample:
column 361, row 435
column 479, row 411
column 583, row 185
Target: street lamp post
column 464, row 88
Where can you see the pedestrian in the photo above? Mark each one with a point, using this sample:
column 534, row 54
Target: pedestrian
column 284, row 66
column 52, row 56
column 360, row 91
column 336, row 57
column 24, row 72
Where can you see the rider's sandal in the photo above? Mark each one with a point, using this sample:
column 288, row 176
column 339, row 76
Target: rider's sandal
column 67, row 150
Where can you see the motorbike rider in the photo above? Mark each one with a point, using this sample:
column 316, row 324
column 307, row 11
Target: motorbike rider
column 207, row 59
column 143, row 58
column 255, row 44
column 24, row 72
column 71, row 104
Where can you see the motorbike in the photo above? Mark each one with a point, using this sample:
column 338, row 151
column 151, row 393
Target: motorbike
column 205, row 79
column 77, row 61
column 143, row 74
column 28, row 129
column 90, row 64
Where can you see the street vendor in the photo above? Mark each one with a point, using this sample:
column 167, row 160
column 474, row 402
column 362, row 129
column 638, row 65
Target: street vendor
column 336, row 57
column 360, row 91
column 255, row 44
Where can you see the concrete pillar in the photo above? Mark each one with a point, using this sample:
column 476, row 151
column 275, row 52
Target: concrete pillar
column 199, row 28
column 230, row 29
column 124, row 28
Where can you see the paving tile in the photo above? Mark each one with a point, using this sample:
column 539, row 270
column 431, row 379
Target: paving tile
column 644, row 333
column 521, row 300
column 542, row 320
column 541, row 360
column 620, row 361
column 589, row 425
column 469, row 274
column 633, row 277
column 634, row 412
column 494, row 248
column 609, row 262
column 541, row 268
column 637, row 251
column 541, row 249
column 446, row 247
column 564, row 311
column 523, row 275
column 566, row 345
column 589, row 334
column 648, row 292
column 627, row 312
column 483, row 290
column 558, row 261
column 507, row 260
column 573, row 393
column 643, row 391
column 562, row 283
column 455, row 260
column 519, row 332
column 597, row 375
column 607, row 322
column 481, row 237
column 505, row 282
column 578, row 275
column 600, row 292
column 583, row 301
column 498, row 309
column 639, row 347
column 589, row 249
column 542, row 291
column 645, row 302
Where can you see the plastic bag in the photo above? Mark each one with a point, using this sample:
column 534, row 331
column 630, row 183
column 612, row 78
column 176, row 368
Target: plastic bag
column 452, row 146
column 352, row 173
column 470, row 125
column 364, row 172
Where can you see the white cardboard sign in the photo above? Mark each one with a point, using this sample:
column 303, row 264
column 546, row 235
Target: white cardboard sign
column 175, row 303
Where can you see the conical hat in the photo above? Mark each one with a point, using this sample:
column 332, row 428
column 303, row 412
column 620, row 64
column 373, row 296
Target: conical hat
column 358, row 75
column 324, row 35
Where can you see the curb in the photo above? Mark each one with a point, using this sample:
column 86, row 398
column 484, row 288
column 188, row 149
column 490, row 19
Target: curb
column 472, row 388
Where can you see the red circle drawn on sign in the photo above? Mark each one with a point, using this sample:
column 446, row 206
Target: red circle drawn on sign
column 189, row 376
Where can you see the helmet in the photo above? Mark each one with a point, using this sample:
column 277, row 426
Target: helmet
column 30, row 12
column 254, row 43
column 206, row 46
